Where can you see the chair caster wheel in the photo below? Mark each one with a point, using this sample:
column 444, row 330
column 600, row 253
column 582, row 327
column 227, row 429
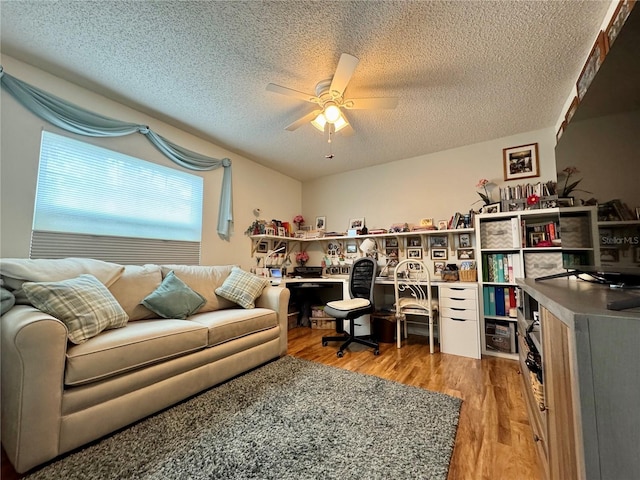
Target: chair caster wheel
column 339, row 353
column 324, row 344
column 376, row 352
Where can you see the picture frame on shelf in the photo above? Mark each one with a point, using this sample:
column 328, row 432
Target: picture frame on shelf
column 592, row 65
column 521, row 162
column 536, row 237
column 466, row 254
column 414, row 242
column 262, row 246
column 565, row 202
column 438, row 241
column 571, row 110
column 356, row 223
column 282, row 232
column 270, row 231
column 426, row 222
column 515, row 205
column 439, row 254
column 617, row 21
column 491, row 208
column 611, row 255
column 561, row 131
column 391, row 242
column 443, row 225
column 414, row 253
column 352, row 248
column 321, row 223
column 464, row 240
column 438, row 267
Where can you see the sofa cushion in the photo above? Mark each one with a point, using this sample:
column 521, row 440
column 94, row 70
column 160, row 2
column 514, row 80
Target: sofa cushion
column 136, row 283
column 83, row 304
column 174, row 299
column 242, row 287
column 203, row 279
column 225, row 325
column 137, row 344
column 16, row 271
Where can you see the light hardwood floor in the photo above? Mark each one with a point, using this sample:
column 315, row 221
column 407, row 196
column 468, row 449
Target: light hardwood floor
column 494, row 439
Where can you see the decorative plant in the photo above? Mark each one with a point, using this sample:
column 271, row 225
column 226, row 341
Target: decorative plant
column 298, row 220
column 486, row 198
column 533, row 200
column 569, row 187
column 302, row 257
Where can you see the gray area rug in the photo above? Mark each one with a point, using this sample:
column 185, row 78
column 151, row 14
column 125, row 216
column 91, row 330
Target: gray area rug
column 290, row 419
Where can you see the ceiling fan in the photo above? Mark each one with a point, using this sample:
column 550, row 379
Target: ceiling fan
column 330, row 100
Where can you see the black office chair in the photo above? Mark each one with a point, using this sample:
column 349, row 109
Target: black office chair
column 361, row 283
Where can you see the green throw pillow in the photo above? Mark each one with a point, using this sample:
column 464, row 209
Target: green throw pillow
column 83, row 304
column 242, row 287
column 174, row 299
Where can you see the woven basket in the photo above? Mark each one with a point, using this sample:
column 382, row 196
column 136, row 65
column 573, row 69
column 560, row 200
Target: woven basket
column 468, row 275
column 537, row 388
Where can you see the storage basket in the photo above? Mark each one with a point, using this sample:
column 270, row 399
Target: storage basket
column 327, row 323
column 468, row 275
column 537, row 388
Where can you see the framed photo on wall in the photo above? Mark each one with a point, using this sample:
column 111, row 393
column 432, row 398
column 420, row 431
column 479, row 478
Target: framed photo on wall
column 464, row 240
column 591, row 67
column 521, row 162
column 414, row 253
column 438, row 267
column 438, row 241
column 439, row 254
column 617, row 21
column 262, row 247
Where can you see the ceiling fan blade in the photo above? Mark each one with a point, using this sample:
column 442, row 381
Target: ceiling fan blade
column 272, row 87
column 346, row 66
column 301, row 121
column 371, row 103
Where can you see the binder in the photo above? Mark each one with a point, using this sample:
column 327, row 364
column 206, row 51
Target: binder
column 499, row 302
column 500, row 267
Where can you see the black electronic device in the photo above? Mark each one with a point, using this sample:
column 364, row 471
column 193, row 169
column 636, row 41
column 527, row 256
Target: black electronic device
column 602, row 141
column 308, row 272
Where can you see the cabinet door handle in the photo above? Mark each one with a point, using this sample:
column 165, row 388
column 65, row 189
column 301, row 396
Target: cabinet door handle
column 542, row 407
column 458, row 309
column 458, row 299
column 459, row 319
column 536, row 438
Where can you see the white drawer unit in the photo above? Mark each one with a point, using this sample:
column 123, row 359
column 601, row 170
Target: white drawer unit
column 459, row 325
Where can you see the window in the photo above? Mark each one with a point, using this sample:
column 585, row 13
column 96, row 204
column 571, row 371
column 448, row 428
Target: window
column 94, row 202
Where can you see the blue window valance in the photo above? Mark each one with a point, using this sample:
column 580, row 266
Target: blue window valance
column 72, row 118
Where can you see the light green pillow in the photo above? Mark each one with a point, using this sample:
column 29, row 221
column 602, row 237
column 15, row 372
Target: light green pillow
column 174, row 299
column 242, row 287
column 83, row 304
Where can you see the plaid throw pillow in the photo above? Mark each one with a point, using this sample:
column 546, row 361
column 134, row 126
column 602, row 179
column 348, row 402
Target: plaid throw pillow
column 242, row 287
column 83, row 304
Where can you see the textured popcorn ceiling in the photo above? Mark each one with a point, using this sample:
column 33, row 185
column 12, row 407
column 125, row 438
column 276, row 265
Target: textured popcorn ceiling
column 464, row 72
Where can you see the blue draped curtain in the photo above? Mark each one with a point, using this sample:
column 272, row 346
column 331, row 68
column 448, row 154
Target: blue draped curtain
column 77, row 120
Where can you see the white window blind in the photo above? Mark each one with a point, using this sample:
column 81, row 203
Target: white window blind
column 87, row 191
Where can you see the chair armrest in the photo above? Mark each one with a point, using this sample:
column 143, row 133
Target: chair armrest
column 277, row 299
column 34, row 347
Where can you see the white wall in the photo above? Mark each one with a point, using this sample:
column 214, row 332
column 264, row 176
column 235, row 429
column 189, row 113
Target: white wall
column 434, row 186
column 254, row 186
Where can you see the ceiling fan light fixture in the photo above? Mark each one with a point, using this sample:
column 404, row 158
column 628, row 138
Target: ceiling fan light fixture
column 319, row 122
column 332, row 113
column 340, row 123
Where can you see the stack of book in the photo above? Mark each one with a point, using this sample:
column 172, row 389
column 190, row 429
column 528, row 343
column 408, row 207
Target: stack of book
column 499, row 301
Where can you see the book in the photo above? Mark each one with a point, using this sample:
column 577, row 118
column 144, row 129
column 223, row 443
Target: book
column 499, row 302
column 499, row 267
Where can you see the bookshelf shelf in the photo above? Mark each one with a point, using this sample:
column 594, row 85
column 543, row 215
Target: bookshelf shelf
column 523, row 244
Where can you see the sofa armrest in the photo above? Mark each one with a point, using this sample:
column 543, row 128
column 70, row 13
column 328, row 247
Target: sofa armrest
column 34, row 347
column 277, row 299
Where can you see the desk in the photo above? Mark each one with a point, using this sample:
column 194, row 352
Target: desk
column 459, row 331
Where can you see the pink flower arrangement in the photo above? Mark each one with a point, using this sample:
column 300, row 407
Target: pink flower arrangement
column 298, row 220
column 302, row 257
column 482, row 183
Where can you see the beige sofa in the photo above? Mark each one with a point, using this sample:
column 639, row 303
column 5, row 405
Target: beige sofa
column 57, row 395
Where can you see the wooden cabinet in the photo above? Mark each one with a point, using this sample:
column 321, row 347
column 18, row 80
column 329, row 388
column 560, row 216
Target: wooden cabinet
column 585, row 419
